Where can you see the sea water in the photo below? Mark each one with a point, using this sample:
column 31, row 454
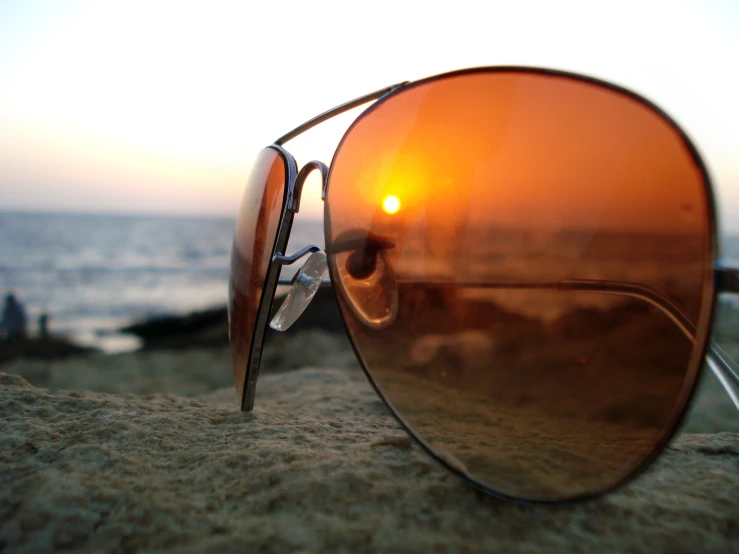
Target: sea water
column 95, row 273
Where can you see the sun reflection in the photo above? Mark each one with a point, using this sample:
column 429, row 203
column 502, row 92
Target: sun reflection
column 391, row 204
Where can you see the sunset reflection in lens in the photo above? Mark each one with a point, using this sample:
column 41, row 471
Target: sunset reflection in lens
column 391, row 204
column 510, row 178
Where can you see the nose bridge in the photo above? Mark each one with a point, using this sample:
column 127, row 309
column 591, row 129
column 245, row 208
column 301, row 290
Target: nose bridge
column 293, row 203
column 309, row 277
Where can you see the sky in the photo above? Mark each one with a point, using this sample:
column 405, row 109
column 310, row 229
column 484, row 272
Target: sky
column 162, row 107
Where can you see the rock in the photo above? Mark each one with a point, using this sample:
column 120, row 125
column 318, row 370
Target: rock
column 209, row 328
column 185, row 372
column 41, row 349
column 319, row 466
column 197, row 329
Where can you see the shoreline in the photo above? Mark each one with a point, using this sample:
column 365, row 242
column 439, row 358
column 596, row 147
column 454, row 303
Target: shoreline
column 207, row 326
column 202, row 328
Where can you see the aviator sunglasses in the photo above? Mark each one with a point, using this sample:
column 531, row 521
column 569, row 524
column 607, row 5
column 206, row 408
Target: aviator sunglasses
column 525, row 261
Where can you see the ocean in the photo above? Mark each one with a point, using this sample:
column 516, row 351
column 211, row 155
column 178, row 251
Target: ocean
column 95, row 273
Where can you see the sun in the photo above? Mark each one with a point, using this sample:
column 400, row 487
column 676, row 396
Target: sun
column 391, row 204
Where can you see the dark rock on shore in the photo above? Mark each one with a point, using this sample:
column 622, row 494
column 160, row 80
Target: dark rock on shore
column 202, row 329
column 47, row 348
column 209, row 328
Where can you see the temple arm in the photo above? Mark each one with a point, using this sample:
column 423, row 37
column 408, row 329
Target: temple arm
column 723, row 367
column 725, row 370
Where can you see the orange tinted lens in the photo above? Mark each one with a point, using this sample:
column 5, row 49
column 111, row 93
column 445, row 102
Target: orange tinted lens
column 254, row 239
column 512, row 251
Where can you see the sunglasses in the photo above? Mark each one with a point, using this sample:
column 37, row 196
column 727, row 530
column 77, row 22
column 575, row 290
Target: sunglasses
column 525, row 261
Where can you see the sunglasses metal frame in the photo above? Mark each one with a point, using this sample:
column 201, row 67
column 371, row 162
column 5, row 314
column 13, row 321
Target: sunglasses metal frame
column 721, row 278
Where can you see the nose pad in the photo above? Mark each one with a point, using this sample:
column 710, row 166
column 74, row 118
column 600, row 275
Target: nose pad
column 366, row 278
column 304, row 288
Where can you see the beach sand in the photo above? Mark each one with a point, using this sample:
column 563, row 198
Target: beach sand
column 319, row 465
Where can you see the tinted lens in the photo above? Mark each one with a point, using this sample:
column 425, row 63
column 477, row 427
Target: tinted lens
column 254, row 240
column 512, row 251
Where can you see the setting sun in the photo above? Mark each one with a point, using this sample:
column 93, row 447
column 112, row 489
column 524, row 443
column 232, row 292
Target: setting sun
column 391, row 204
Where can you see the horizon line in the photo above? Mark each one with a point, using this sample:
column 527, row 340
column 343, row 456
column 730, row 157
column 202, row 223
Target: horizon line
column 175, row 215
column 124, row 213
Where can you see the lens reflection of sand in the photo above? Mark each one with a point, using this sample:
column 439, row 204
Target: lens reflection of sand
column 534, row 409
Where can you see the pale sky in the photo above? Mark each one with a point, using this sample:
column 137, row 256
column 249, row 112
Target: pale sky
column 147, row 106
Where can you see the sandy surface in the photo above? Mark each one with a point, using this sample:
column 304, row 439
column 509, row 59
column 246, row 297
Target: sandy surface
column 319, row 466
column 186, row 373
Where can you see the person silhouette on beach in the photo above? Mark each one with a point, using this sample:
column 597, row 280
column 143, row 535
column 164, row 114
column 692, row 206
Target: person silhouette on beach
column 43, row 326
column 13, row 323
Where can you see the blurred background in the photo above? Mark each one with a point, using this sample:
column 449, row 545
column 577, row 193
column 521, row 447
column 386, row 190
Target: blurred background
column 128, row 129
